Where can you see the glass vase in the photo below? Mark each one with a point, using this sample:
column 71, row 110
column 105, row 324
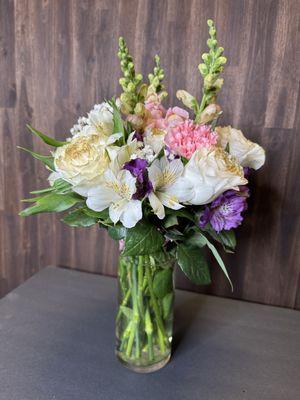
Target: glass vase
column 144, row 321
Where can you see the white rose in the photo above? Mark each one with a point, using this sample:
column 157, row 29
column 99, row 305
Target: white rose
column 81, row 162
column 212, row 172
column 248, row 154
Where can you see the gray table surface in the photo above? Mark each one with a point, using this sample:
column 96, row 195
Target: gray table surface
column 57, row 343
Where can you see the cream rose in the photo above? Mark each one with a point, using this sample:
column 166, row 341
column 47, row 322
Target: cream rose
column 81, row 162
column 212, row 172
column 248, row 154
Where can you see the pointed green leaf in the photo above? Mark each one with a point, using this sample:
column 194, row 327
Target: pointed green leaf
column 78, row 218
column 52, row 202
column 46, row 139
column 163, row 282
column 47, row 160
column 143, row 239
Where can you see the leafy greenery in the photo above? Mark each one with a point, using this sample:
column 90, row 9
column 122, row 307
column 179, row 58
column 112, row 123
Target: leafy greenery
column 226, row 238
column 117, row 119
column 79, row 218
column 46, row 139
column 193, row 264
column 117, row 232
column 216, row 255
column 162, row 282
column 47, row 160
column 143, row 239
column 51, row 202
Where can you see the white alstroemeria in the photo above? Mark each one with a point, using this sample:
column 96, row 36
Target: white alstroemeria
column 154, row 138
column 248, row 154
column 169, row 187
column 212, row 172
column 115, row 191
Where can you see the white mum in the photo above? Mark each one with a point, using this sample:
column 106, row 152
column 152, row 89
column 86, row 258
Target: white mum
column 116, row 191
column 212, row 172
column 248, row 154
column 81, row 162
column 169, row 187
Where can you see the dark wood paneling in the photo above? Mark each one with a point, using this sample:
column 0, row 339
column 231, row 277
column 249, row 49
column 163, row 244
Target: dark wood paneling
column 59, row 57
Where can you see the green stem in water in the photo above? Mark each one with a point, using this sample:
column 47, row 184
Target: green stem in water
column 153, row 300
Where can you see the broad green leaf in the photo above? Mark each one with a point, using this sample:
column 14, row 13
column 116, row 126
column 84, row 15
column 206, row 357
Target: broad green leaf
column 46, row 139
column 52, row 202
column 47, row 160
column 103, row 215
column 143, row 239
column 196, row 240
column 170, row 220
column 167, row 303
column 193, row 264
column 60, row 186
column 78, row 218
column 163, row 282
column 117, row 232
column 217, row 257
column 181, row 213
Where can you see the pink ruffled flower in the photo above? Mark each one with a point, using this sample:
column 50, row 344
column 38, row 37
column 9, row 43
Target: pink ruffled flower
column 186, row 137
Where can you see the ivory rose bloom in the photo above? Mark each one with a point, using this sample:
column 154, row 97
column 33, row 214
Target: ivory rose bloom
column 248, row 154
column 212, row 172
column 81, row 162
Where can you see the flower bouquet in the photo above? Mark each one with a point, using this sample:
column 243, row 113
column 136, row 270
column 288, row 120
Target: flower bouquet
column 165, row 183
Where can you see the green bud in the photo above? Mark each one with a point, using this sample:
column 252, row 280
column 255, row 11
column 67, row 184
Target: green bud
column 210, row 22
column 139, row 77
column 203, row 69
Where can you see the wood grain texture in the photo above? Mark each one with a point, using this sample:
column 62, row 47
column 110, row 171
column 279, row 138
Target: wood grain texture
column 58, row 58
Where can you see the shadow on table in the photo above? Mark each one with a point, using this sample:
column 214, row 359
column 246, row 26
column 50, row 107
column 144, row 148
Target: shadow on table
column 185, row 314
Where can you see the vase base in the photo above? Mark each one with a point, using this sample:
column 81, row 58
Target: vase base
column 144, row 369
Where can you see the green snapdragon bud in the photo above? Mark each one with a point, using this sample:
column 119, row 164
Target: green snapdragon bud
column 210, row 69
column 156, row 78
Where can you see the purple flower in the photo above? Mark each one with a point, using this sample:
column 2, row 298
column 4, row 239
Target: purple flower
column 138, row 136
column 224, row 212
column 138, row 168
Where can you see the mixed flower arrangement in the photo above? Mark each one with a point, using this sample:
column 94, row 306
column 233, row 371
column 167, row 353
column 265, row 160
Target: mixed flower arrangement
column 159, row 180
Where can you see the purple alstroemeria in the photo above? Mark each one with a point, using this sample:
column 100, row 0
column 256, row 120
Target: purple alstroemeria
column 138, row 168
column 138, row 136
column 225, row 211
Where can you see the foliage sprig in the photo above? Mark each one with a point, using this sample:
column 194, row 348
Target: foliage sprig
column 130, row 82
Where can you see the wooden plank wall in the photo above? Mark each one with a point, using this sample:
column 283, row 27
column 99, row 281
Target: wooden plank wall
column 58, row 57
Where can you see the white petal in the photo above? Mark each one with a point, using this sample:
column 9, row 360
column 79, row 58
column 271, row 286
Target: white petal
column 155, row 174
column 116, row 210
column 156, row 205
column 98, row 199
column 132, row 213
column 182, row 189
column 169, row 200
column 113, row 138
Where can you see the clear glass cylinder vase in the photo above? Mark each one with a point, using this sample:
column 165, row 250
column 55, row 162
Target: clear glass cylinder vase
column 144, row 321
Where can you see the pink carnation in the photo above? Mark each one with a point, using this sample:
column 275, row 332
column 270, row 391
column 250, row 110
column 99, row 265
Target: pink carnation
column 186, row 137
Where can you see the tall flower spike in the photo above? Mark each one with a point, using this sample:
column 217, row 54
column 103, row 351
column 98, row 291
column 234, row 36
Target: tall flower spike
column 156, row 78
column 210, row 69
column 130, row 82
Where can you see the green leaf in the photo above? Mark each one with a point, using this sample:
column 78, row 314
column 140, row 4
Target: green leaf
column 143, row 239
column 217, row 257
column 103, row 215
column 117, row 232
column 193, row 264
column 128, row 312
column 46, row 139
column 226, row 238
column 117, row 119
column 60, row 186
column 163, row 282
column 167, row 303
column 47, row 160
column 181, row 213
column 78, row 218
column 52, row 202
column 170, row 220
column 196, row 240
